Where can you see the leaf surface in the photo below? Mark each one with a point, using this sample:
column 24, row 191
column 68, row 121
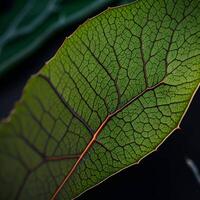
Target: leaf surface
column 115, row 90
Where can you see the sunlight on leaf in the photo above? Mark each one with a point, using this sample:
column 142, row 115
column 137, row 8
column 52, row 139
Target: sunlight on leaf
column 114, row 91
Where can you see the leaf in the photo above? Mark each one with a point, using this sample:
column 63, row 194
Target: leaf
column 29, row 23
column 115, row 90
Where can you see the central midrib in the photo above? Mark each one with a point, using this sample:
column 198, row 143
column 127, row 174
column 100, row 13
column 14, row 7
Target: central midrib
column 96, row 134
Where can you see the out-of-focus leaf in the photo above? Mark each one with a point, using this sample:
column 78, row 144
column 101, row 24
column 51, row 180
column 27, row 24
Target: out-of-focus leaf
column 29, row 22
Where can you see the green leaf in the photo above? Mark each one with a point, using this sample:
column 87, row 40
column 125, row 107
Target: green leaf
column 115, row 90
column 29, row 23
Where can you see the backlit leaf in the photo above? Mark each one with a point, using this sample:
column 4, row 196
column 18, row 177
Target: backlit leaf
column 114, row 91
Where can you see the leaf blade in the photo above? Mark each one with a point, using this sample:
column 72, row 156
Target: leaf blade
column 129, row 89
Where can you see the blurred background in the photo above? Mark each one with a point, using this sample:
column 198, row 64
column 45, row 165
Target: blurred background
column 31, row 31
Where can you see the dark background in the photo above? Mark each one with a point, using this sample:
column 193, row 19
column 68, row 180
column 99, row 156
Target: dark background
column 162, row 175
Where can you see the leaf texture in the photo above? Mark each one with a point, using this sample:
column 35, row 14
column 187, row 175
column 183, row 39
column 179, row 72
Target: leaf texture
column 115, row 90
